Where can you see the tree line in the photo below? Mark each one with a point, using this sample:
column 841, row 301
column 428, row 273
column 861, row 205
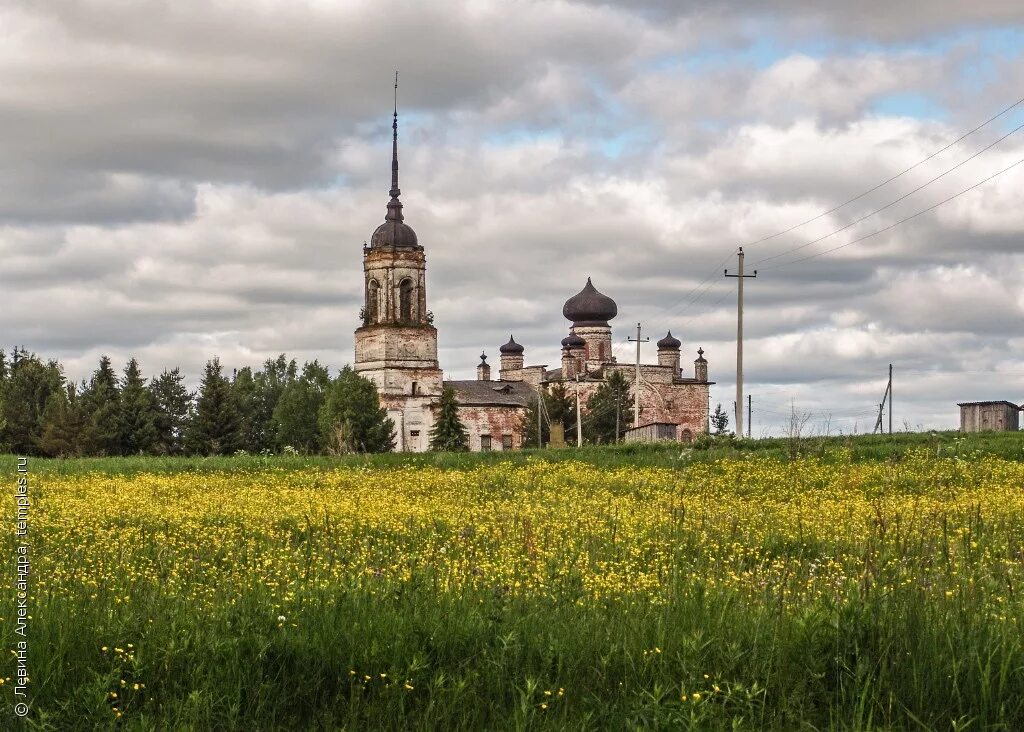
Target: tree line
column 277, row 408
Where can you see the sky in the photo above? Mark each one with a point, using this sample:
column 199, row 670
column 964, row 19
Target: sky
column 184, row 180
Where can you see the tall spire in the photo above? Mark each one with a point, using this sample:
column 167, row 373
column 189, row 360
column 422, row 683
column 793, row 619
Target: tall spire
column 394, row 205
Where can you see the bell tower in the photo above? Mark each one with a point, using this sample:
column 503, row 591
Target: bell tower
column 396, row 345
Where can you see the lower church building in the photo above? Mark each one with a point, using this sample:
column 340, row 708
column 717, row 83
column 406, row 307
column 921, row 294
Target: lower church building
column 396, row 347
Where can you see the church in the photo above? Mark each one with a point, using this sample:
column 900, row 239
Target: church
column 396, row 347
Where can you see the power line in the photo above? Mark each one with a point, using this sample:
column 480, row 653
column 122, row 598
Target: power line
column 901, row 221
column 892, row 203
column 891, row 179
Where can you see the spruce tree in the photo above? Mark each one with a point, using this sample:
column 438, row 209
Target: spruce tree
column 448, row 433
column 352, row 420
column 720, row 420
column 561, row 405
column 172, row 406
column 216, row 428
column 101, row 402
column 611, row 398
column 243, row 391
column 136, row 425
column 64, row 424
column 296, row 415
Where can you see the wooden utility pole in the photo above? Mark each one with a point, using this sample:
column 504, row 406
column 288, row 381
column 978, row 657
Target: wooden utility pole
column 636, row 387
column 540, row 406
column 739, row 339
column 618, row 408
column 890, row 399
column 579, row 420
column 879, row 425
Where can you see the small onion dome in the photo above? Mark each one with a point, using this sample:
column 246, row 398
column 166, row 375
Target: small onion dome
column 573, row 341
column 511, row 348
column 669, row 343
column 700, row 356
column 590, row 307
column 483, row 359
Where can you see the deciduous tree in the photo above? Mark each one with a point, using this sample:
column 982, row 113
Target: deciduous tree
column 296, row 415
column 352, row 419
column 609, row 407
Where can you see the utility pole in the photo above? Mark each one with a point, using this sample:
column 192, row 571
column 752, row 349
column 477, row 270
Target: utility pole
column 890, row 399
column 579, row 420
column 750, row 417
column 618, row 408
column 636, row 388
column 879, row 425
column 739, row 339
column 540, row 430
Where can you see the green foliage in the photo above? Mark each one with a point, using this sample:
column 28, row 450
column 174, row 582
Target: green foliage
column 26, row 391
column 352, row 420
column 270, row 384
column 719, row 420
column 868, row 657
column 172, row 407
column 608, row 408
column 137, row 418
column 216, row 428
column 561, row 405
column 243, row 392
column 101, row 401
column 296, row 415
column 65, row 426
column 529, row 425
column 448, row 433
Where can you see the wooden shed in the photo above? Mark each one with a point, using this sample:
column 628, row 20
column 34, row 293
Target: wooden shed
column 653, row 432
column 989, row 416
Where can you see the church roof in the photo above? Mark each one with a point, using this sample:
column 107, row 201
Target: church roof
column 512, row 348
column 669, row 343
column 479, row 393
column 590, row 307
column 573, row 341
column 394, row 232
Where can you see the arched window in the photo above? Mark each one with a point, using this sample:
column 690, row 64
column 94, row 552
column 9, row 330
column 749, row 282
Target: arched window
column 687, row 436
column 372, row 301
column 405, row 301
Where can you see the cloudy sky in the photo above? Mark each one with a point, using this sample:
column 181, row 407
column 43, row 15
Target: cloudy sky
column 187, row 179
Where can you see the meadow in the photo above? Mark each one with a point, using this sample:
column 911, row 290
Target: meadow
column 814, row 585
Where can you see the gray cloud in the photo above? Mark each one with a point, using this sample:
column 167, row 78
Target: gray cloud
column 181, row 184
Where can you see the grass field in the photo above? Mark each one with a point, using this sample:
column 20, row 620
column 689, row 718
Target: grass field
column 820, row 584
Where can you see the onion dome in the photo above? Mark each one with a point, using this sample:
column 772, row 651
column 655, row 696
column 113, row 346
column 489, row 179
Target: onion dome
column 590, row 307
column 669, row 343
column 394, row 232
column 700, row 356
column 511, row 348
column 573, row 341
column 483, row 359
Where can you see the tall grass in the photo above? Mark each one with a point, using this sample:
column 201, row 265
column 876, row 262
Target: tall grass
column 739, row 593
